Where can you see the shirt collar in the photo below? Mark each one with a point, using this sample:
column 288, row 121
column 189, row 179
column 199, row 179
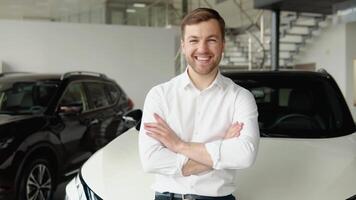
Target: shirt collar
column 187, row 82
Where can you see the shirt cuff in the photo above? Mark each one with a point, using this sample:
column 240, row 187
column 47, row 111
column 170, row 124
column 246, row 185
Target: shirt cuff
column 213, row 149
column 181, row 161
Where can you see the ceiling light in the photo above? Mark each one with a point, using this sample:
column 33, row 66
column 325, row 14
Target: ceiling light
column 129, row 10
column 139, row 5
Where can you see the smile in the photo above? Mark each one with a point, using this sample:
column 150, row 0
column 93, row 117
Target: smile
column 202, row 58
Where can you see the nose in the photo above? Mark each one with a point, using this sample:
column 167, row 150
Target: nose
column 202, row 47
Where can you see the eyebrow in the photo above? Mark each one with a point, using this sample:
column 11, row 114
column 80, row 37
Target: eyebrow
column 192, row 37
column 196, row 37
column 216, row 36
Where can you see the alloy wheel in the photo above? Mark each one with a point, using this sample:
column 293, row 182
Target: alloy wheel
column 39, row 183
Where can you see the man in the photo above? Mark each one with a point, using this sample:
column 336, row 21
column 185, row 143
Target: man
column 190, row 135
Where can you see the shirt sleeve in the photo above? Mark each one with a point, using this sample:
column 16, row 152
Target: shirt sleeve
column 156, row 158
column 239, row 152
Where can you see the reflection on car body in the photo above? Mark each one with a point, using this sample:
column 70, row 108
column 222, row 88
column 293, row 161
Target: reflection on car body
column 307, row 150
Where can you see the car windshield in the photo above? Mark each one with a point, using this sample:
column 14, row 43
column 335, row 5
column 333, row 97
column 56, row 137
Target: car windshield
column 297, row 106
column 25, row 97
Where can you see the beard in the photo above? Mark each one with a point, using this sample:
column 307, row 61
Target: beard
column 203, row 69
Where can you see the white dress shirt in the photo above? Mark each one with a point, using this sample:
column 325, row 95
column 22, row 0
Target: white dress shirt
column 203, row 117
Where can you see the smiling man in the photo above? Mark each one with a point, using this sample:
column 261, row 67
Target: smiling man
column 199, row 127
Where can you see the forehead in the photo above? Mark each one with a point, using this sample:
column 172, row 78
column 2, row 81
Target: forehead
column 203, row 29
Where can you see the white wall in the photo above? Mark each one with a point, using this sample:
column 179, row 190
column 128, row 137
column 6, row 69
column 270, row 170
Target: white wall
column 328, row 51
column 334, row 50
column 136, row 57
column 350, row 57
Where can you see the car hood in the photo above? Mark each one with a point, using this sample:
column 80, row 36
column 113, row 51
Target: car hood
column 285, row 169
column 115, row 171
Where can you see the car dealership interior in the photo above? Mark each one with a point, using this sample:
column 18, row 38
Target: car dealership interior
column 134, row 45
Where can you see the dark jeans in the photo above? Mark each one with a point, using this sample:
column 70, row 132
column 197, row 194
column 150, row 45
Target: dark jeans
column 161, row 197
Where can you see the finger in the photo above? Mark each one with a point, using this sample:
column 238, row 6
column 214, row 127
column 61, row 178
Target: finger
column 232, row 125
column 235, row 123
column 155, row 136
column 159, row 119
column 230, row 133
column 164, row 142
column 240, row 126
column 155, row 131
column 238, row 132
column 235, row 128
column 155, row 125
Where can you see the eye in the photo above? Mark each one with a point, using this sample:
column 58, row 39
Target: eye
column 212, row 40
column 193, row 41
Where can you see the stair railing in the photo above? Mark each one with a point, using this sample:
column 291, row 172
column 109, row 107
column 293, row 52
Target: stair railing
column 253, row 23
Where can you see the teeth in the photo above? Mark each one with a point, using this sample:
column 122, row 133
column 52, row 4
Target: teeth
column 202, row 58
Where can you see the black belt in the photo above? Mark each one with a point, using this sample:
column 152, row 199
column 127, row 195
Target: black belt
column 188, row 196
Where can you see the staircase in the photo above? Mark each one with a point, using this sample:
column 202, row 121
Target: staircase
column 296, row 30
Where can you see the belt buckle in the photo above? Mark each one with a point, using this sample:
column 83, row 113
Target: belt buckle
column 187, row 197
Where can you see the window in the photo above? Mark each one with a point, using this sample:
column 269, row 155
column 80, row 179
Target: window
column 97, row 93
column 25, row 97
column 113, row 93
column 74, row 98
column 293, row 107
column 44, row 93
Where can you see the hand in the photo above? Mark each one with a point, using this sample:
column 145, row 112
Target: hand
column 234, row 130
column 163, row 133
column 194, row 168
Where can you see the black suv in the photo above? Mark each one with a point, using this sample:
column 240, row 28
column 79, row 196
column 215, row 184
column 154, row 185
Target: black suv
column 50, row 124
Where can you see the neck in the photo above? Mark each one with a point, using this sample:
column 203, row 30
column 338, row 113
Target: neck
column 202, row 81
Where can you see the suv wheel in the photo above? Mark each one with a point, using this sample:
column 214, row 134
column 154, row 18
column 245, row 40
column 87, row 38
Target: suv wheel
column 37, row 181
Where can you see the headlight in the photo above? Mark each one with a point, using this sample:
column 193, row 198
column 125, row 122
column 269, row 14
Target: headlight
column 4, row 143
column 75, row 190
column 90, row 194
column 80, row 190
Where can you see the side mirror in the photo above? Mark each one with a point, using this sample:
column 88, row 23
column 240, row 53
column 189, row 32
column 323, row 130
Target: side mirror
column 133, row 118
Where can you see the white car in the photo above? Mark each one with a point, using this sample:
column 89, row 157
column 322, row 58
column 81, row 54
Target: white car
column 307, row 150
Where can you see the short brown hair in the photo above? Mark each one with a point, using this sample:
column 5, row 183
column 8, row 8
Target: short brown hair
column 201, row 15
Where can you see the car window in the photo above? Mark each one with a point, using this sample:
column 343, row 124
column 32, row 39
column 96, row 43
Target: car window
column 74, row 98
column 25, row 97
column 295, row 107
column 114, row 93
column 97, row 93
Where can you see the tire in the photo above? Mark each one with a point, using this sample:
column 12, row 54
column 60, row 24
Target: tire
column 37, row 180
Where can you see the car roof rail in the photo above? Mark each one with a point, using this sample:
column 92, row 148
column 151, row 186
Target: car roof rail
column 89, row 73
column 10, row 73
column 323, row 71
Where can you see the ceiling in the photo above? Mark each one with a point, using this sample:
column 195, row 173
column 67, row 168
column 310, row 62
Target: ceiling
column 312, row 6
column 51, row 10
column 42, row 9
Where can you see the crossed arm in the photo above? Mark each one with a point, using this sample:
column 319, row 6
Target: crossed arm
column 163, row 152
column 199, row 158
